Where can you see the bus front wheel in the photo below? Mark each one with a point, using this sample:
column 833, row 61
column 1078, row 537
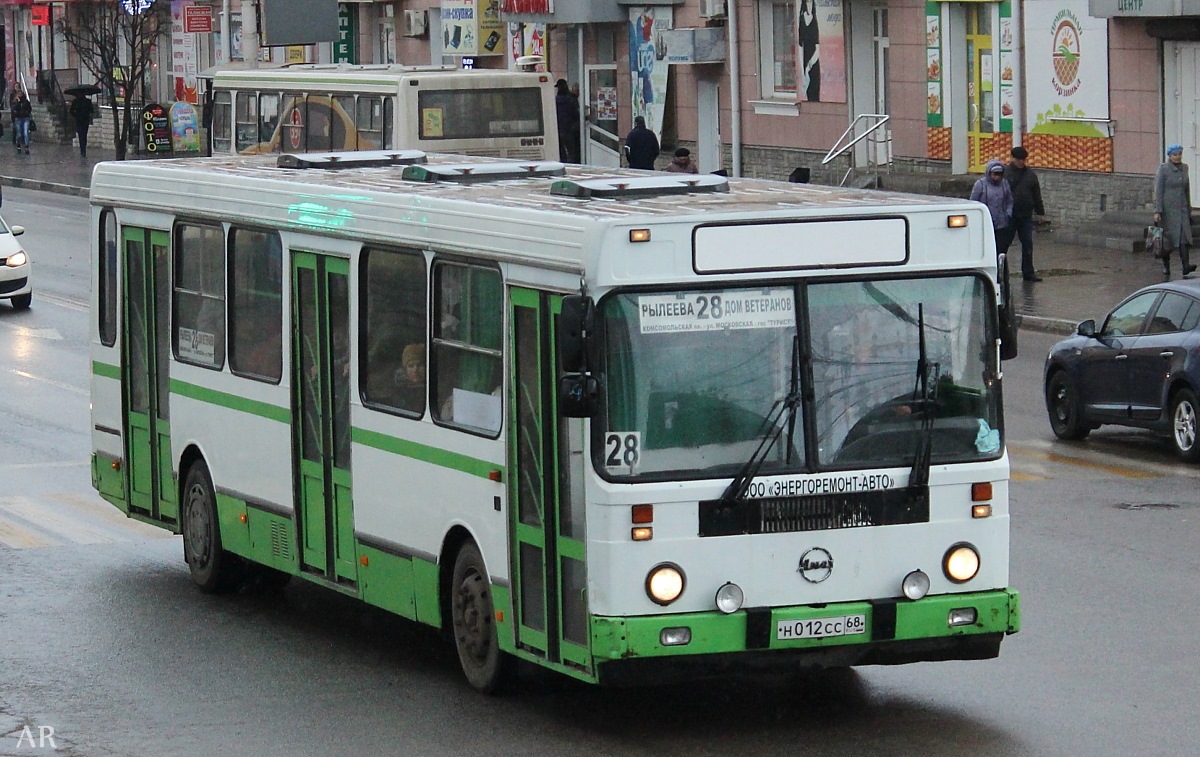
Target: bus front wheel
column 213, row 569
column 474, row 622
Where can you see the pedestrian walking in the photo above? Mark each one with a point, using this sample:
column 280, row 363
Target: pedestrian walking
column 641, row 146
column 566, row 107
column 1173, row 209
column 992, row 190
column 81, row 114
column 1027, row 200
column 683, row 162
column 22, row 114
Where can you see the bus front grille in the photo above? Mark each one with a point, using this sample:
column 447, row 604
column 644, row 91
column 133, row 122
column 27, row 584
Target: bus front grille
column 777, row 515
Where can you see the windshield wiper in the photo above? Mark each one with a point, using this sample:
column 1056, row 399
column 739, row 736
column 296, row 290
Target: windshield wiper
column 918, row 478
column 770, row 430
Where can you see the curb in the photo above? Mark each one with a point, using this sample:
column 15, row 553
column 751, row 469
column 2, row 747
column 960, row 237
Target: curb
column 44, row 186
column 1047, row 325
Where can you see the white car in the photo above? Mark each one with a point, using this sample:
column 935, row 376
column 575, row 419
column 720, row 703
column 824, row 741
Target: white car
column 16, row 283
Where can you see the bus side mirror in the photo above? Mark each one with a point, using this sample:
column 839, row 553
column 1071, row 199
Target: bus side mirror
column 577, row 395
column 1007, row 318
column 576, row 325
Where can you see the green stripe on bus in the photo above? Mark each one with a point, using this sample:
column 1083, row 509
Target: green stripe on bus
column 231, row 401
column 106, row 371
column 424, row 453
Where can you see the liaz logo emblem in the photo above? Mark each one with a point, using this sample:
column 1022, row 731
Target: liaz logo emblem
column 815, row 565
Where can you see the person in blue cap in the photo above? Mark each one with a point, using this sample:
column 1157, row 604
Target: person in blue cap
column 1173, row 209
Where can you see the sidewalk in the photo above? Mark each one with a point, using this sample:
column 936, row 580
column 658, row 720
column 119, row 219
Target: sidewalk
column 1080, row 282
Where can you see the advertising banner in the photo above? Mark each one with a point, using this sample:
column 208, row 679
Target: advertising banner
column 184, row 55
column 472, row 27
column 1066, row 64
column 156, row 130
column 820, row 51
column 648, row 64
column 185, row 128
column 525, row 39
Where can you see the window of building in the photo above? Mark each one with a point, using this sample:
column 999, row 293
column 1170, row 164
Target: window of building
column 198, row 314
column 777, row 49
column 107, row 268
column 393, row 352
column 467, row 326
column 256, row 304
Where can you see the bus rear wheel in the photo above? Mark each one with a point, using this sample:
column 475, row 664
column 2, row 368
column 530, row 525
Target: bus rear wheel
column 213, row 569
column 473, row 618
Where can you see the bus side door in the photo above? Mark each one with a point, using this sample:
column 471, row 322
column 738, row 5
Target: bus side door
column 321, row 377
column 145, row 377
column 547, row 518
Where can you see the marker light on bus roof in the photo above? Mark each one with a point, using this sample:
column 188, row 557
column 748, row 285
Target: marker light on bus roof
column 664, row 583
column 641, row 533
column 961, row 563
column 981, row 491
column 956, row 222
column 639, row 235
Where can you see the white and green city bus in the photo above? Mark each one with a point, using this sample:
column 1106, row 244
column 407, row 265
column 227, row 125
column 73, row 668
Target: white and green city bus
column 332, row 107
column 625, row 426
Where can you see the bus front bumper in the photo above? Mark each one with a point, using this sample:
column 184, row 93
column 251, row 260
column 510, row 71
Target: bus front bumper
column 893, row 631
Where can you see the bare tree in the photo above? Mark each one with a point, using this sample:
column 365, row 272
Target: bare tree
column 118, row 47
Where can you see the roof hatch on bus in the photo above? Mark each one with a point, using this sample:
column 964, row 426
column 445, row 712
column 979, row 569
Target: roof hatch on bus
column 470, row 173
column 361, row 159
column 642, row 186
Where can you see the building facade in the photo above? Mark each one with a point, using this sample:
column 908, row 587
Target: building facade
column 1093, row 88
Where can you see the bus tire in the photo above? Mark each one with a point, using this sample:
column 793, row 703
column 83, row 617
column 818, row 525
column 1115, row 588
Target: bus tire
column 213, row 569
column 473, row 622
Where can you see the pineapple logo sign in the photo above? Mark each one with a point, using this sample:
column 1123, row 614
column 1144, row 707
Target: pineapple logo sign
column 1066, row 53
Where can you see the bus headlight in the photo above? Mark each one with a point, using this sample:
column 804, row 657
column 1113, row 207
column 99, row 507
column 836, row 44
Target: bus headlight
column 915, row 585
column 961, row 563
column 664, row 583
column 730, row 598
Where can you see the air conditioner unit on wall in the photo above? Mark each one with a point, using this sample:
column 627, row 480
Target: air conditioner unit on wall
column 416, row 23
column 712, row 8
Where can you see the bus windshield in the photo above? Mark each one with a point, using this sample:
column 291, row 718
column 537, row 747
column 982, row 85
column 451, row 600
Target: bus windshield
column 693, row 380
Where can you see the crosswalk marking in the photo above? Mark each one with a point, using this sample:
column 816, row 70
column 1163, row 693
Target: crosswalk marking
column 67, row 518
column 1037, row 460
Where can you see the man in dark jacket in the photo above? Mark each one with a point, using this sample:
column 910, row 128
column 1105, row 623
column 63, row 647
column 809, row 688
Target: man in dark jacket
column 641, row 146
column 1027, row 200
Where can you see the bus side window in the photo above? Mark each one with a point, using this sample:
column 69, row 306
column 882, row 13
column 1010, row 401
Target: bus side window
column 343, row 132
column 256, row 304
column 198, row 317
column 268, row 116
column 368, row 120
column 107, row 268
column 222, row 117
column 320, row 124
column 467, row 327
column 246, row 121
column 394, row 314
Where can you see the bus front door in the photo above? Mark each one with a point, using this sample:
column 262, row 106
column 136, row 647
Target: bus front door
column 546, row 488
column 145, row 350
column 321, row 397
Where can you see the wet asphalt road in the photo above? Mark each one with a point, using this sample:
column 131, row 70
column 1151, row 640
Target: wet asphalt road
column 103, row 638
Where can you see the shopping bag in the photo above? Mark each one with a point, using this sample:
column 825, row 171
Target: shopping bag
column 1154, row 240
